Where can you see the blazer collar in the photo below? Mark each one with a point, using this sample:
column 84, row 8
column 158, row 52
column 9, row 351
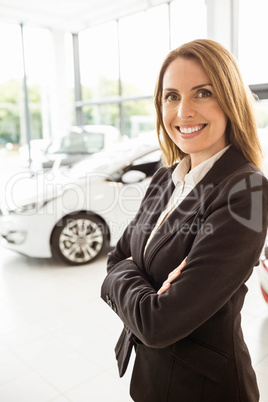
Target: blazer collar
column 228, row 163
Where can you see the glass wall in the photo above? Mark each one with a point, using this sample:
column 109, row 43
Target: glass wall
column 120, row 62
column 98, row 49
column 253, row 58
column 188, row 21
column 144, row 42
column 141, row 53
column 38, row 64
column 252, row 49
column 40, row 68
column 11, row 110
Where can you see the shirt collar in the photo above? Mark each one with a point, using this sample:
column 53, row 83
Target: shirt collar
column 181, row 173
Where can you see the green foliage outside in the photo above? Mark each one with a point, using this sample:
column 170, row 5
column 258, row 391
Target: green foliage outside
column 137, row 115
column 12, row 112
column 9, row 113
column 109, row 113
column 12, row 119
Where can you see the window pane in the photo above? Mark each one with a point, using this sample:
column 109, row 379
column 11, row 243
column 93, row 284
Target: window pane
column 261, row 108
column 101, row 114
column 69, row 70
column 39, row 69
column 98, row 49
column 253, row 32
column 10, row 84
column 188, row 21
column 138, row 116
column 143, row 45
column 262, row 113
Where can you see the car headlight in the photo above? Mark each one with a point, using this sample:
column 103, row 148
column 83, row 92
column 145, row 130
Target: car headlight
column 27, row 209
column 31, row 208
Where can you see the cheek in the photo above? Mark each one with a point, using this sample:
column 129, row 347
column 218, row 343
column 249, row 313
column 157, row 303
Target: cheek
column 223, row 121
column 167, row 116
column 167, row 123
column 218, row 117
column 164, row 114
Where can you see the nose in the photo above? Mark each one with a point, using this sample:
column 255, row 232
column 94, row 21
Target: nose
column 185, row 108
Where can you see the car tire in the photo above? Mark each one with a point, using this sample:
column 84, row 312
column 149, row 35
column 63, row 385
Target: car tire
column 78, row 239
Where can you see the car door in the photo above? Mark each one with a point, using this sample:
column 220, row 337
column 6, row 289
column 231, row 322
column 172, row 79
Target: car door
column 132, row 182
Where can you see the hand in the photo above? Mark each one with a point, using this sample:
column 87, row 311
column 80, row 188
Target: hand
column 173, row 275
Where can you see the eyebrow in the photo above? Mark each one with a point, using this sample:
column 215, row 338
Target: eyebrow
column 202, row 85
column 192, row 89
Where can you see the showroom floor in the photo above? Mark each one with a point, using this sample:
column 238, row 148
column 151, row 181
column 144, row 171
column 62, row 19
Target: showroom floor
column 57, row 336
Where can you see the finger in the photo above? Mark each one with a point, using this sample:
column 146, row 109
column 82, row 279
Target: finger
column 163, row 288
column 173, row 275
column 174, row 272
column 178, row 269
column 182, row 264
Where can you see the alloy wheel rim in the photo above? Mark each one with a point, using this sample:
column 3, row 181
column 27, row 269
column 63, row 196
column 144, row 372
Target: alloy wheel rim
column 81, row 240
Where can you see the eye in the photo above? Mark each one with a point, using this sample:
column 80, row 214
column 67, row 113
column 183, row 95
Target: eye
column 204, row 93
column 171, row 97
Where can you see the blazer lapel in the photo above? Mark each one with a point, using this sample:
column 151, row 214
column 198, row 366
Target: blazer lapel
column 151, row 209
column 228, row 163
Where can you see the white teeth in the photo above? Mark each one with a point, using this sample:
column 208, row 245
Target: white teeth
column 191, row 130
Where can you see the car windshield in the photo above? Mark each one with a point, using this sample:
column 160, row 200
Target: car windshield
column 109, row 161
column 121, row 154
column 77, row 143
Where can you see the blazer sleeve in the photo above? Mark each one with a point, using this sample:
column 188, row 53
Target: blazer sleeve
column 217, row 265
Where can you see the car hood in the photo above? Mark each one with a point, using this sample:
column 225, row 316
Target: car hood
column 24, row 189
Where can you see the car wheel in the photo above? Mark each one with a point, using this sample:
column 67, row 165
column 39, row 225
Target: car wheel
column 78, row 239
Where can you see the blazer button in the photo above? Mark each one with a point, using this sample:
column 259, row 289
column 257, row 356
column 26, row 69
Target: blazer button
column 114, row 307
column 109, row 301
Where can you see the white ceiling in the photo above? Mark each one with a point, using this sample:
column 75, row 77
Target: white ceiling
column 70, row 15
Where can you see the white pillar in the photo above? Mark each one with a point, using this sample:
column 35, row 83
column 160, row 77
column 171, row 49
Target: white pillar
column 60, row 108
column 222, row 23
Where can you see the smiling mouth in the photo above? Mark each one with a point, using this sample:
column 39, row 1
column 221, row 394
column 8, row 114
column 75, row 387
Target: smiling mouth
column 191, row 130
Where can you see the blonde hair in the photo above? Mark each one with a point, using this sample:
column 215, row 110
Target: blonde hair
column 233, row 96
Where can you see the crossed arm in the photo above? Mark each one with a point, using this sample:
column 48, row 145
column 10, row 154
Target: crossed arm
column 208, row 281
column 171, row 277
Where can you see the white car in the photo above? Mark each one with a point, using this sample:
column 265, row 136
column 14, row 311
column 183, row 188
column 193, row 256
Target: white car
column 71, row 214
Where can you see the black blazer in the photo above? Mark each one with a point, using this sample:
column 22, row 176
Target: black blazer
column 189, row 343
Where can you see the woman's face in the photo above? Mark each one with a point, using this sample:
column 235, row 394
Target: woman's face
column 192, row 115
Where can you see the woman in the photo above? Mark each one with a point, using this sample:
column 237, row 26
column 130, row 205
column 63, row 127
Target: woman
column 183, row 315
